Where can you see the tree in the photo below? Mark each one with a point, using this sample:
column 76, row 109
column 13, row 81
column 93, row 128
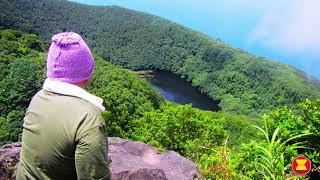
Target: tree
column 18, row 87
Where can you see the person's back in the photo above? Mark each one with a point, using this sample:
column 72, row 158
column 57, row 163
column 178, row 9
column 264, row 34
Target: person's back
column 64, row 134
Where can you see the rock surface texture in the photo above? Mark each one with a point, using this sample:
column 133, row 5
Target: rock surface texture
column 129, row 160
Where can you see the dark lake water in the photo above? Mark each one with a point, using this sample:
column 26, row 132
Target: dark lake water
column 176, row 89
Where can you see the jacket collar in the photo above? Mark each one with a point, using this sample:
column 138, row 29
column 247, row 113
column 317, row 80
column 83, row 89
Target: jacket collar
column 72, row 90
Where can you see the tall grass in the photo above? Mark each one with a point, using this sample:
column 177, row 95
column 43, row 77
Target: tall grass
column 270, row 161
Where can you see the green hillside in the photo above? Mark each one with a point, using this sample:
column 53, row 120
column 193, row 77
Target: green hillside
column 22, row 63
column 133, row 108
column 243, row 83
column 224, row 145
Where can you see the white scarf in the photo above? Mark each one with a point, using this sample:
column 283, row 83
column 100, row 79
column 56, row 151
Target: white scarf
column 72, row 90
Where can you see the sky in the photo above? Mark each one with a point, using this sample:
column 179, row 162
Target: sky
column 287, row 31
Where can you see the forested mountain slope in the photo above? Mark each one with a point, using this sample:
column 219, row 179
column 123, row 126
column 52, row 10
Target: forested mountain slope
column 23, row 70
column 134, row 109
column 243, row 83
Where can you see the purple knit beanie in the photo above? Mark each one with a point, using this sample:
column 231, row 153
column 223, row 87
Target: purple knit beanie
column 69, row 58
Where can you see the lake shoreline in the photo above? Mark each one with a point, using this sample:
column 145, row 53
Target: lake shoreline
column 146, row 74
column 179, row 90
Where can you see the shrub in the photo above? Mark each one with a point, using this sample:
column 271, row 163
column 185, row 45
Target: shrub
column 180, row 128
column 270, row 158
column 126, row 96
column 303, row 118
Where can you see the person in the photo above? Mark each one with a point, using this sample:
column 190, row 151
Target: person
column 64, row 135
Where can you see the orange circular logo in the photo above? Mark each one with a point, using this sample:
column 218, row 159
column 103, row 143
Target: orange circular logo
column 301, row 165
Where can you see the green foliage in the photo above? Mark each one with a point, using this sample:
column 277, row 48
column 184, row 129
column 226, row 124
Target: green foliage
column 245, row 84
column 126, row 97
column 135, row 110
column 216, row 165
column 11, row 127
column 180, row 128
column 18, row 86
column 239, row 129
column 22, row 59
column 197, row 134
column 21, row 73
column 30, row 42
column 304, row 118
column 267, row 159
column 287, row 133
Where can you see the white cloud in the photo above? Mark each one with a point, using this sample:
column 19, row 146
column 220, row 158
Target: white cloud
column 292, row 27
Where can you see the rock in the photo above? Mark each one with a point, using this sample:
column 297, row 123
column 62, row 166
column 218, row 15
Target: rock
column 146, row 173
column 9, row 157
column 130, row 160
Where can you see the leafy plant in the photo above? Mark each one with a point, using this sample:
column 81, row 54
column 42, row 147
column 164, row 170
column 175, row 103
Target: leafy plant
column 300, row 119
column 180, row 128
column 216, row 165
column 271, row 158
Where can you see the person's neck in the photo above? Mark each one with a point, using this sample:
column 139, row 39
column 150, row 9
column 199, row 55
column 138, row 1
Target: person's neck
column 82, row 84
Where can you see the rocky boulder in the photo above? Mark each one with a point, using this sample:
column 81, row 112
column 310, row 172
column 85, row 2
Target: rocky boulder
column 129, row 160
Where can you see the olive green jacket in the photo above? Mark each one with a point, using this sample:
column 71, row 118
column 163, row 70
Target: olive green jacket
column 64, row 137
